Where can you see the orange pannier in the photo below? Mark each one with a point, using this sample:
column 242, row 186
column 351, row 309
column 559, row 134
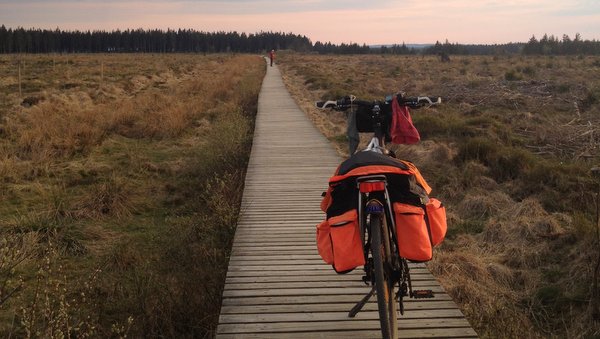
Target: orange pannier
column 324, row 242
column 412, row 235
column 419, row 229
column 339, row 242
column 436, row 217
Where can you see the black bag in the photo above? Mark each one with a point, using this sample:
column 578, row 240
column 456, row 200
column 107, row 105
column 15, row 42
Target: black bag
column 364, row 122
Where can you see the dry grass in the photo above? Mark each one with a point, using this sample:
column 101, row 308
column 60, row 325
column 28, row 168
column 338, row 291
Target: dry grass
column 509, row 153
column 122, row 167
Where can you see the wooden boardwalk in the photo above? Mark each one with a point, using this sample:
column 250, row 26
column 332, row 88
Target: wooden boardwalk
column 277, row 285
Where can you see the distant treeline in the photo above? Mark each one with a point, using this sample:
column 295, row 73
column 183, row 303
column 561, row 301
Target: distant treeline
column 547, row 45
column 22, row 40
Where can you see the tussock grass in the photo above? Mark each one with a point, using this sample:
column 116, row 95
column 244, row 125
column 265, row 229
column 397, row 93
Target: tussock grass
column 509, row 154
column 121, row 192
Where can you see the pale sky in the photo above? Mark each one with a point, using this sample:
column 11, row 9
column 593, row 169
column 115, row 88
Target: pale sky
column 360, row 21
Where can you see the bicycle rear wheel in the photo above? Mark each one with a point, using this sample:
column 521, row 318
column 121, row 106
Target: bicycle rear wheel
column 384, row 285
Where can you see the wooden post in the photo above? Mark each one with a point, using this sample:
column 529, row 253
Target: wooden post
column 102, row 73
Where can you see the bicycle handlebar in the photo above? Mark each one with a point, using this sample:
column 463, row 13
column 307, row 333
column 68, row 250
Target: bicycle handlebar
column 349, row 101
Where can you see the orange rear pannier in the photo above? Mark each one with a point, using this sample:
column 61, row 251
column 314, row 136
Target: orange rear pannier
column 324, row 245
column 412, row 234
column 436, row 217
column 346, row 242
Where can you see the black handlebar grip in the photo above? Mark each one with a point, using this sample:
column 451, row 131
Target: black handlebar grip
column 430, row 100
column 420, row 101
column 326, row 104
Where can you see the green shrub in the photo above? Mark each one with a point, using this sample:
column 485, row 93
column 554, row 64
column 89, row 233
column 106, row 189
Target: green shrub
column 447, row 125
column 480, row 149
column 528, row 70
column 512, row 75
column 504, row 162
column 471, row 226
column 592, row 97
column 563, row 88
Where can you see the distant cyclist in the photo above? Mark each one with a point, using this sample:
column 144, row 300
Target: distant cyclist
column 272, row 56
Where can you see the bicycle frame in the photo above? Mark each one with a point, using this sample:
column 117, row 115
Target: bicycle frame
column 372, row 188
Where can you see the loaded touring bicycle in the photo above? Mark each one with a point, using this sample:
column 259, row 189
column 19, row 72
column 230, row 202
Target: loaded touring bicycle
column 379, row 213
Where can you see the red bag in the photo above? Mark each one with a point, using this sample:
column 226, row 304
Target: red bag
column 402, row 130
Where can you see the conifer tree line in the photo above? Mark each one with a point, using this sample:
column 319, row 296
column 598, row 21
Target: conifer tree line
column 22, row 40
column 551, row 45
column 547, row 45
column 33, row 40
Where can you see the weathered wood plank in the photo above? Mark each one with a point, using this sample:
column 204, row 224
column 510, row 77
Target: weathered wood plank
column 306, row 291
column 331, row 307
column 289, row 270
column 350, row 299
column 348, row 324
column 331, row 316
column 417, row 284
column 311, row 278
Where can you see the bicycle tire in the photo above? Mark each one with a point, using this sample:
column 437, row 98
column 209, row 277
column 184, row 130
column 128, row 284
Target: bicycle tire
column 384, row 286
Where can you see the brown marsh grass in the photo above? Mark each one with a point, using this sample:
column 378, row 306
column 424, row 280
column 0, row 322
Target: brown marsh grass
column 509, row 153
column 120, row 179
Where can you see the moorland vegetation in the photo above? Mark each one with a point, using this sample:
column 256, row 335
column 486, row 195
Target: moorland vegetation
column 120, row 179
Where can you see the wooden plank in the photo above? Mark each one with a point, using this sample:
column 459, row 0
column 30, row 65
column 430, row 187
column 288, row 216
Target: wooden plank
column 350, row 299
column 326, row 270
column 350, row 324
column 331, row 316
column 242, row 267
column 298, row 267
column 276, row 231
column 249, row 236
column 311, row 278
column 307, row 248
column 240, row 251
column 274, row 242
column 305, row 291
column 417, row 284
column 331, row 307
